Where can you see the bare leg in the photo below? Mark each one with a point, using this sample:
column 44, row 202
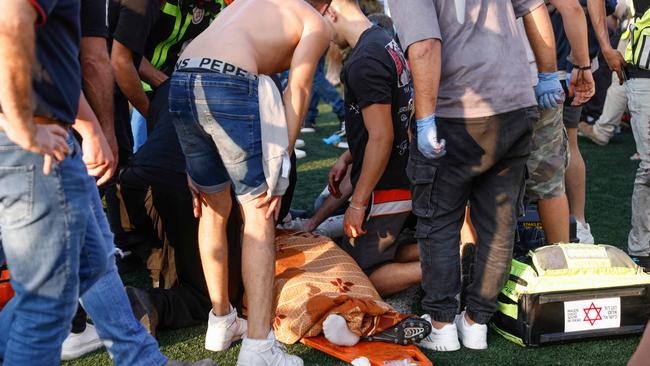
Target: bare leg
column 258, row 264
column 213, row 247
column 576, row 178
column 554, row 214
column 395, row 277
column 467, row 232
column 642, row 353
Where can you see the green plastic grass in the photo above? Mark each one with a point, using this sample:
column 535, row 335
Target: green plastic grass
column 610, row 176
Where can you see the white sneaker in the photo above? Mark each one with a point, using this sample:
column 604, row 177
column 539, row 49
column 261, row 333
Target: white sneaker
column 299, row 153
column 307, row 129
column 299, row 143
column 223, row 330
column 473, row 336
column 267, row 352
column 79, row 344
column 442, row 340
column 583, row 232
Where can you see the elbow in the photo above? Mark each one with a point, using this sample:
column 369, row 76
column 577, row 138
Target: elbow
column 95, row 64
column 569, row 9
column 422, row 49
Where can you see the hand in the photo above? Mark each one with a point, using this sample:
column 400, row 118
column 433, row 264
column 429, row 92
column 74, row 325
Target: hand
column 197, row 199
column 47, row 140
column 335, row 177
column 98, row 157
column 112, row 143
column 581, row 86
column 616, row 62
column 353, row 222
column 428, row 143
column 548, row 91
column 273, row 204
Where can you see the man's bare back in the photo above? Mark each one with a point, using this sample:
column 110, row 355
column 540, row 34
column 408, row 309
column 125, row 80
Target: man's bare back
column 259, row 36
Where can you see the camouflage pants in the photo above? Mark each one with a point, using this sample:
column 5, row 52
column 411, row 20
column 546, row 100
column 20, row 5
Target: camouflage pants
column 549, row 157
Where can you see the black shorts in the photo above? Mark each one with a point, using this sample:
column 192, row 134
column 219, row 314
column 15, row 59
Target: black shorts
column 571, row 116
column 378, row 246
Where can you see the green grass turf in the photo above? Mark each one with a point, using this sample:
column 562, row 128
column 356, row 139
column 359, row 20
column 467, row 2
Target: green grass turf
column 610, row 175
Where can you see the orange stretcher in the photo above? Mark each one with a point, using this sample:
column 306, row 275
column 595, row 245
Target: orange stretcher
column 376, row 352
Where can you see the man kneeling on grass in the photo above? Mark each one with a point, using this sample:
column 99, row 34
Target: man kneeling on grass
column 377, row 98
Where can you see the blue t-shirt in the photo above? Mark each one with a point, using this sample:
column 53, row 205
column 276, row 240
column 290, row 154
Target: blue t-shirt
column 56, row 73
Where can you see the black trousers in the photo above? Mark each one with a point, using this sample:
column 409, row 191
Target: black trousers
column 165, row 212
column 485, row 164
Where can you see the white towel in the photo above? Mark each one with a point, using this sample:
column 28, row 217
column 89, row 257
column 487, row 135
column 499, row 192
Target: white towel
column 275, row 137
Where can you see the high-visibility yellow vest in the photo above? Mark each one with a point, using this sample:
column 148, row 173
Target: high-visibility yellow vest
column 638, row 50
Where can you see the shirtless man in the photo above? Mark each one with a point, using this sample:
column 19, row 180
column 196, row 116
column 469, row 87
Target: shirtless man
column 214, row 98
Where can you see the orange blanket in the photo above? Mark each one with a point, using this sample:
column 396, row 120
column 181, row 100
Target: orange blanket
column 315, row 278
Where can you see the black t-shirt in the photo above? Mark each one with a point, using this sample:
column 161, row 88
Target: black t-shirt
column 56, row 74
column 130, row 21
column 94, row 22
column 376, row 72
column 179, row 22
column 160, row 160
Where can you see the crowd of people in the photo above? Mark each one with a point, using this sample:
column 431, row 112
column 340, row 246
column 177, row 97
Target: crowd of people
column 456, row 114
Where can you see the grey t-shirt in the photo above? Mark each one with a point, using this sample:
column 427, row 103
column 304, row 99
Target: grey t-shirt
column 484, row 65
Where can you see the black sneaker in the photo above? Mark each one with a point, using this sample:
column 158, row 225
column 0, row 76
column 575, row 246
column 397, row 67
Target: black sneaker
column 408, row 331
column 642, row 261
column 143, row 309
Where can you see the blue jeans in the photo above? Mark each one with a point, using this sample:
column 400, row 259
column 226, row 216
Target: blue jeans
column 47, row 227
column 126, row 340
column 323, row 89
column 217, row 119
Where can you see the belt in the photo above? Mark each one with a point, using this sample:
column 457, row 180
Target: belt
column 39, row 121
column 215, row 65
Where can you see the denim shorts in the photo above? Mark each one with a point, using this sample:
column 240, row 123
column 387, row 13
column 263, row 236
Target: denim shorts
column 217, row 120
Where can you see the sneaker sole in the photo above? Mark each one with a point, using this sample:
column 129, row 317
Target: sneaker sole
column 441, row 348
column 218, row 347
column 82, row 350
column 409, row 331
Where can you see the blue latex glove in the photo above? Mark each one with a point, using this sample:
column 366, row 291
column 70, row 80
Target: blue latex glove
column 428, row 143
column 548, row 91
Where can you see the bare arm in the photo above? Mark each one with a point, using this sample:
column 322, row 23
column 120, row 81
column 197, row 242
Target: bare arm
column 542, row 40
column 581, row 83
column 575, row 26
column 424, row 60
column 127, row 77
column 97, row 154
column 310, row 48
column 597, row 15
column 17, row 43
column 150, row 74
column 378, row 121
column 99, row 85
column 17, row 39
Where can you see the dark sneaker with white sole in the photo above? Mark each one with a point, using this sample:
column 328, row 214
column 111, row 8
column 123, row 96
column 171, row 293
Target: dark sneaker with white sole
column 143, row 309
column 408, row 331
